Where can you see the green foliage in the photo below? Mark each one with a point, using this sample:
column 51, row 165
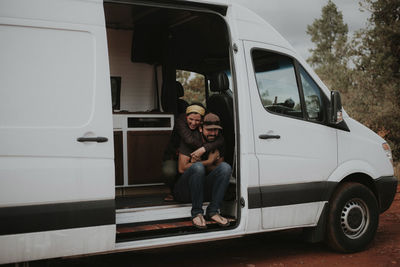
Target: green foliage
column 371, row 89
column 376, row 51
column 194, row 86
column 330, row 37
column 330, row 56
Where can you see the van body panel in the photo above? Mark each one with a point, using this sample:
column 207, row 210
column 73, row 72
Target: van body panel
column 254, row 225
column 350, row 167
column 76, row 12
column 243, row 100
column 50, row 244
column 252, row 27
column 362, row 144
column 283, row 217
column 64, row 180
column 55, row 88
column 63, row 65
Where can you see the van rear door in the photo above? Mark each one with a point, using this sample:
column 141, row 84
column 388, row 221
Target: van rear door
column 295, row 148
column 56, row 156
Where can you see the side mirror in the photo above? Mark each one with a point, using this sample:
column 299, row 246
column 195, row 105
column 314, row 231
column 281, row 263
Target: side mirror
column 336, row 114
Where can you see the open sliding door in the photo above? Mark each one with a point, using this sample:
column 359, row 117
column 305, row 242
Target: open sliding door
column 56, row 157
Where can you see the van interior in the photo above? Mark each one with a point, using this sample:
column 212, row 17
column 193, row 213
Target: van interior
column 161, row 59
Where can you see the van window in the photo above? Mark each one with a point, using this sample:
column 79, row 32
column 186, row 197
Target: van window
column 194, row 86
column 276, row 81
column 312, row 97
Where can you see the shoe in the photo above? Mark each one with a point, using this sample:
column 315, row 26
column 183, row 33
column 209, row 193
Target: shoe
column 199, row 222
column 221, row 221
column 169, row 198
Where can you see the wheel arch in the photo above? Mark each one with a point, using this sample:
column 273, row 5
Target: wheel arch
column 360, row 178
column 356, row 171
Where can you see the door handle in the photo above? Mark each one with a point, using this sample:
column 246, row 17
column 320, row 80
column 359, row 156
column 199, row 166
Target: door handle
column 98, row 139
column 269, row 136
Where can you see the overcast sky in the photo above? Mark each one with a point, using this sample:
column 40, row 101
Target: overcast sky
column 291, row 17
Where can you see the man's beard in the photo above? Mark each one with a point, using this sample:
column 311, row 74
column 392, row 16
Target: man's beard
column 206, row 138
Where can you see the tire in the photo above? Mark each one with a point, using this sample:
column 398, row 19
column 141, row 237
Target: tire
column 352, row 218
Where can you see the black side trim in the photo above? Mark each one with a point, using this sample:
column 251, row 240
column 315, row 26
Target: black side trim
column 386, row 187
column 290, row 194
column 254, row 197
column 47, row 217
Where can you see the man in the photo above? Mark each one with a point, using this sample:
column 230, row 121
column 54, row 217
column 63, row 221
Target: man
column 205, row 178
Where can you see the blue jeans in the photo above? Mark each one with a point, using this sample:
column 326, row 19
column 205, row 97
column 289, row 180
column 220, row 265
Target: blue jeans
column 196, row 186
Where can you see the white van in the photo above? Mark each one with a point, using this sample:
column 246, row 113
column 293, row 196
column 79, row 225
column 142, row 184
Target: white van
column 80, row 160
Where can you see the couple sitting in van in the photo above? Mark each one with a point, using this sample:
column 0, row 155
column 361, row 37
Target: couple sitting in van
column 204, row 174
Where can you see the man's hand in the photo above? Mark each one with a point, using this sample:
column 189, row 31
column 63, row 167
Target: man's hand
column 213, row 156
column 214, row 159
column 194, row 159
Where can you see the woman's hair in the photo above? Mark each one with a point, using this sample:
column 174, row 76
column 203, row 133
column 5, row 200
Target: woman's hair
column 196, row 108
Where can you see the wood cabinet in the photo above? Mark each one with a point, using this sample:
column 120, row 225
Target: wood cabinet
column 145, row 155
column 139, row 144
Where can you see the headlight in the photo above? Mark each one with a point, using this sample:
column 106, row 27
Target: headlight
column 388, row 151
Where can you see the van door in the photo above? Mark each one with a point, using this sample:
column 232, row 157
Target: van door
column 56, row 156
column 296, row 151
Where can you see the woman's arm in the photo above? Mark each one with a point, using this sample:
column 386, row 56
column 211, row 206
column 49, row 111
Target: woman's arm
column 217, row 144
column 184, row 162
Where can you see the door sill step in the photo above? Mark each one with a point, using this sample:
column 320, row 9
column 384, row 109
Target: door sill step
column 137, row 231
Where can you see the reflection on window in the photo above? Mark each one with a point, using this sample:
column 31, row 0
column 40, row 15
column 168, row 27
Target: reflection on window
column 229, row 75
column 312, row 97
column 276, row 81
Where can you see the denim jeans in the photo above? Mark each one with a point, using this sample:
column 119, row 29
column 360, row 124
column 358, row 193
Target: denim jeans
column 169, row 171
column 196, row 186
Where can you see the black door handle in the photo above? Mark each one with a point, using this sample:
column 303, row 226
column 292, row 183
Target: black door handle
column 269, row 136
column 98, row 139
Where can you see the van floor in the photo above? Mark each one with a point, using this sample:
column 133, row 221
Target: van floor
column 127, row 202
column 145, row 196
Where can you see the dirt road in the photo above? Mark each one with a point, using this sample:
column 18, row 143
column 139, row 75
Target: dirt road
column 270, row 249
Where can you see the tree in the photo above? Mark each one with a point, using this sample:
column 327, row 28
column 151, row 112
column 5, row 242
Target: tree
column 376, row 50
column 330, row 56
column 371, row 88
column 193, row 84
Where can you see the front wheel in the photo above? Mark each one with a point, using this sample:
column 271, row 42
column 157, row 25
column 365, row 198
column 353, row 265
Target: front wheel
column 353, row 218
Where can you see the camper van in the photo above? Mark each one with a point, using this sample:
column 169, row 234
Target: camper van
column 88, row 101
